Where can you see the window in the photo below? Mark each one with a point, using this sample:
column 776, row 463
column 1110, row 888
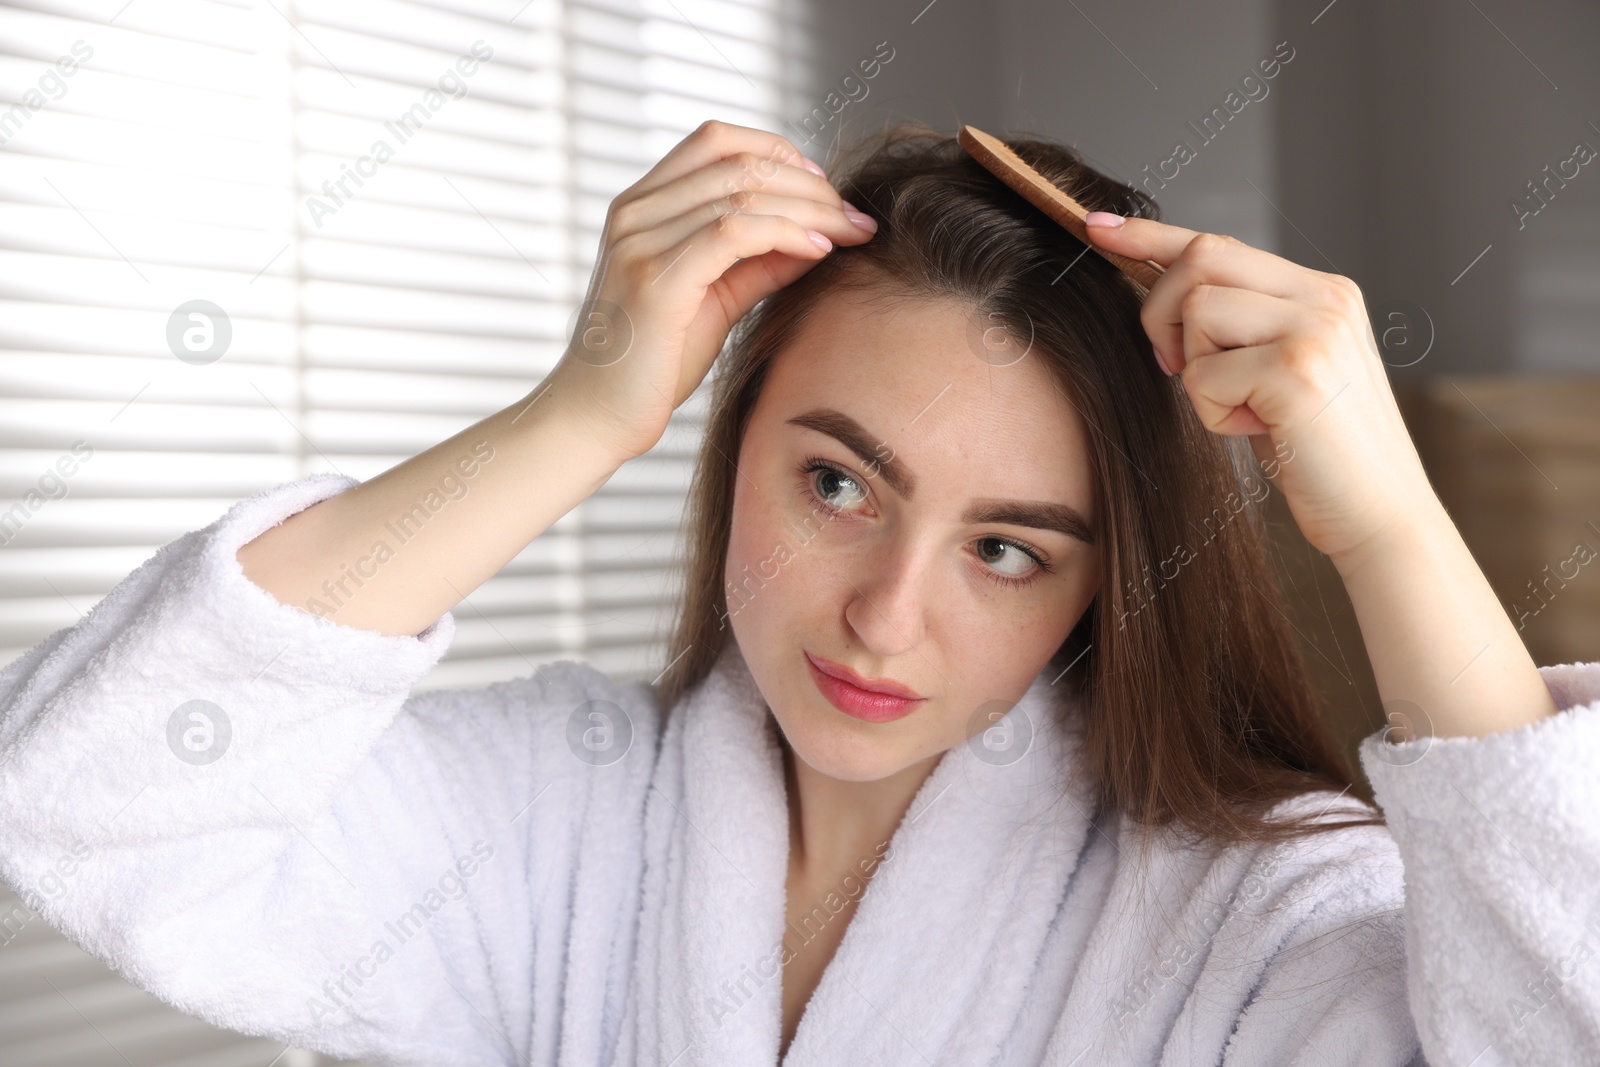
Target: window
column 243, row 242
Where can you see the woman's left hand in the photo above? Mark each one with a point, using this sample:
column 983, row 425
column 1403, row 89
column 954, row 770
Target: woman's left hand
column 1285, row 354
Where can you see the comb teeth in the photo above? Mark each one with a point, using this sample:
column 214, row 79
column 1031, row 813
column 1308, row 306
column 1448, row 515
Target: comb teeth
column 998, row 159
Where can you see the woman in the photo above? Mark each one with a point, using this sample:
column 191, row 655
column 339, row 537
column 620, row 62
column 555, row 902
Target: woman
column 977, row 615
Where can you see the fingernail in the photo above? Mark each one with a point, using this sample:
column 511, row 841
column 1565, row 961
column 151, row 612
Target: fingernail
column 821, row 240
column 812, row 167
column 1166, row 368
column 1103, row 218
column 860, row 218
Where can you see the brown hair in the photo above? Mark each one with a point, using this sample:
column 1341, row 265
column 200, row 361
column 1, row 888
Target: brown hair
column 1198, row 707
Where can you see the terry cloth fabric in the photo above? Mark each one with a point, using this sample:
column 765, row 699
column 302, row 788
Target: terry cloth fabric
column 248, row 812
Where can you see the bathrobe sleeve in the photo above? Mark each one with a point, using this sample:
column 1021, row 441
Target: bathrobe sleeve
column 1470, row 935
column 1500, row 841
column 243, row 809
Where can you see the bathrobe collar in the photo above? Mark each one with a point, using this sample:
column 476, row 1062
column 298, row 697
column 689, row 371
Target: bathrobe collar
column 967, row 890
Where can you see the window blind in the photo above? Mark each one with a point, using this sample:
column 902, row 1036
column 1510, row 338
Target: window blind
column 242, row 241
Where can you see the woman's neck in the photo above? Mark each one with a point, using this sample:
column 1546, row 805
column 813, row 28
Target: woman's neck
column 834, row 825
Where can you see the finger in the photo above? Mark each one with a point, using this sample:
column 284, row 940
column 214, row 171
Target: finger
column 1218, row 317
column 1244, row 265
column 1229, row 390
column 748, row 281
column 705, row 255
column 828, row 220
column 1207, row 258
column 1280, row 386
column 1136, row 238
column 738, row 177
column 712, row 140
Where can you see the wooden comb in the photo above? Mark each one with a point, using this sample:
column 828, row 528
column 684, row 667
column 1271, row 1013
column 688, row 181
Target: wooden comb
column 1003, row 163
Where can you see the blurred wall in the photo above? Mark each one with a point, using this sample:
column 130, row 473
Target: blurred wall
column 1120, row 82
column 1410, row 133
column 942, row 70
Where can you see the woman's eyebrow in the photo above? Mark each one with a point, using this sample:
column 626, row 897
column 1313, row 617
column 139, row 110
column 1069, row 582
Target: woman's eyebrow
column 1039, row 515
column 851, row 434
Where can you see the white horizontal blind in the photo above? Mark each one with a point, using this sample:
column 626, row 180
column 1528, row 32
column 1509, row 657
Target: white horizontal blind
column 155, row 153
column 186, row 159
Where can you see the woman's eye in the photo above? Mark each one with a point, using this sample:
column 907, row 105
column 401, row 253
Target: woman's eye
column 1017, row 564
column 830, row 482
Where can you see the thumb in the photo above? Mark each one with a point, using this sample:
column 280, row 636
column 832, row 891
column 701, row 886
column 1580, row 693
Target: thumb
column 748, row 281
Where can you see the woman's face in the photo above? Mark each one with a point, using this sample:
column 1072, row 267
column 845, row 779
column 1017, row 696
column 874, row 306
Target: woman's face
column 904, row 555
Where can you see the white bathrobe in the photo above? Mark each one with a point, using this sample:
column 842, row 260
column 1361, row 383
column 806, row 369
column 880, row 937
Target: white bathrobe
column 515, row 875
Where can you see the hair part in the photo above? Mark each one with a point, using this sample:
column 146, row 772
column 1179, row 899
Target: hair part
column 1197, row 710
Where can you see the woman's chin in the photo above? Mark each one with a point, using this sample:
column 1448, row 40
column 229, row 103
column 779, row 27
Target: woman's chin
column 847, row 754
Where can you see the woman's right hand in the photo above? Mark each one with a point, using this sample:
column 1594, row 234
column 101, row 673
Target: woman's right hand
column 730, row 215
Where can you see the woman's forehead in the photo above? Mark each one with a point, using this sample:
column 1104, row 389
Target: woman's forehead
column 914, row 359
column 907, row 378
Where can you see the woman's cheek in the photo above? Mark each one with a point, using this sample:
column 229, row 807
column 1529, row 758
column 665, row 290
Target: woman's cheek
column 1016, row 630
column 763, row 554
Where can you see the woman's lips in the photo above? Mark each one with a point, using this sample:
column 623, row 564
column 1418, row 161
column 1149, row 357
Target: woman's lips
column 857, row 702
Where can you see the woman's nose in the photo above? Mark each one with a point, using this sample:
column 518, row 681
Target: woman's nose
column 886, row 607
